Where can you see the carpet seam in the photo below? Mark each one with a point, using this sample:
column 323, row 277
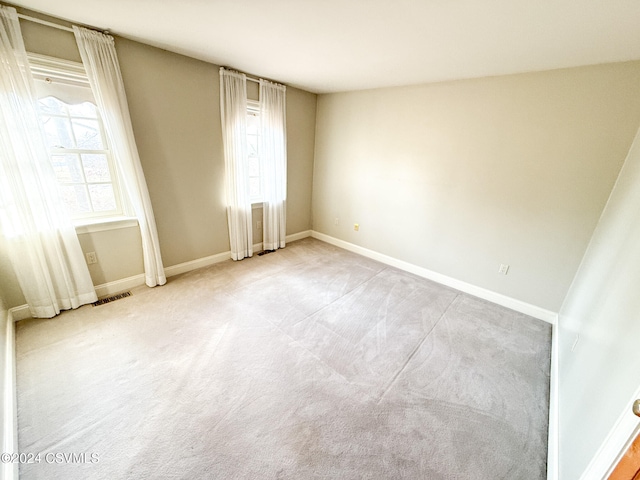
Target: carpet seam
column 415, row 350
column 308, row 316
column 334, row 301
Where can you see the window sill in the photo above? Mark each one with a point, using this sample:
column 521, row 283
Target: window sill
column 102, row 224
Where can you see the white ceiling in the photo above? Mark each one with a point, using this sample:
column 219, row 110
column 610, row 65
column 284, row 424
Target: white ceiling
column 337, row 45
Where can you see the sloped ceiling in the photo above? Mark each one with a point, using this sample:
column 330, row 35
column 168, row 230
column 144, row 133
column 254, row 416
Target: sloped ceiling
column 338, row 45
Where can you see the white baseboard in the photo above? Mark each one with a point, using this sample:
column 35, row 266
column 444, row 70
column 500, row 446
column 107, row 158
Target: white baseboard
column 197, row 263
column 498, row 298
column 9, row 402
column 512, row 303
column 554, row 407
column 118, row 286
column 22, row 312
column 222, row 257
column 614, row 445
column 299, row 236
column 19, row 313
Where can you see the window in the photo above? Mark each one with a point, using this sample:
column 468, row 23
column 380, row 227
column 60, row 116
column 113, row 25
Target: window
column 80, row 157
column 253, row 146
column 77, row 143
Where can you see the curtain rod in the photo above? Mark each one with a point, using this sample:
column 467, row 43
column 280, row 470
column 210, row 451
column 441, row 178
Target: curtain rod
column 44, row 22
column 69, row 29
column 55, row 25
column 247, row 77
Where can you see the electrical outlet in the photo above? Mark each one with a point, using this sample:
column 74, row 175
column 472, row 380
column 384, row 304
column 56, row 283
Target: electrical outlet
column 259, row 224
column 91, row 258
column 504, row 269
column 336, row 221
column 356, row 227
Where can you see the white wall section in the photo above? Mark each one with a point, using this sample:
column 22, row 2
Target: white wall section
column 461, row 177
column 600, row 374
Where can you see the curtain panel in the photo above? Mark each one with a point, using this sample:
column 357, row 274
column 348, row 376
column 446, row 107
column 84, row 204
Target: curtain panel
column 273, row 152
column 40, row 237
column 99, row 57
column 233, row 114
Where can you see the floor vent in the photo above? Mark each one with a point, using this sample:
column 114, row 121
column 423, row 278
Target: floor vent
column 265, row 252
column 112, row 298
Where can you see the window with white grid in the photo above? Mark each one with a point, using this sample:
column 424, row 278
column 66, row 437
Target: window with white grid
column 253, row 144
column 78, row 146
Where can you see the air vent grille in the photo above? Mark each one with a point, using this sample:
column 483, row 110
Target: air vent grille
column 112, row 298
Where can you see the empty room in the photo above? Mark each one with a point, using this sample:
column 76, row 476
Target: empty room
column 303, row 240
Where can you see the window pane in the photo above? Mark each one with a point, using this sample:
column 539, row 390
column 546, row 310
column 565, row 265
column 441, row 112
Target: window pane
column 76, row 199
column 254, row 187
column 96, row 168
column 87, row 134
column 254, row 167
column 253, row 124
column 52, row 105
column 102, row 197
column 67, row 168
column 58, row 131
column 84, row 109
column 252, row 144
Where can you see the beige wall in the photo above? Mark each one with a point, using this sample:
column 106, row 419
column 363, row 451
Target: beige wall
column 174, row 106
column 301, row 127
column 48, row 41
column 119, row 253
column 455, row 177
column 460, row 177
column 175, row 111
column 8, row 281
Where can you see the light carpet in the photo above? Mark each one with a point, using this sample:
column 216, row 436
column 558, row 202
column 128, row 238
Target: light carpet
column 307, row 363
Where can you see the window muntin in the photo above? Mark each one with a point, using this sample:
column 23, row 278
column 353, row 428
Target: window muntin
column 80, row 157
column 253, row 151
column 75, row 135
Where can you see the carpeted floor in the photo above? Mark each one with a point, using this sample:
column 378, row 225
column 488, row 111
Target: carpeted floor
column 308, row 363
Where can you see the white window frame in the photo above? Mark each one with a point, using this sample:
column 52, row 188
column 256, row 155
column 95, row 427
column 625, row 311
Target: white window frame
column 49, row 69
column 253, row 109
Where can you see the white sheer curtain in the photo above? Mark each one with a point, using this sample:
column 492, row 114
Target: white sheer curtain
column 233, row 113
column 40, row 238
column 98, row 55
column 273, row 152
